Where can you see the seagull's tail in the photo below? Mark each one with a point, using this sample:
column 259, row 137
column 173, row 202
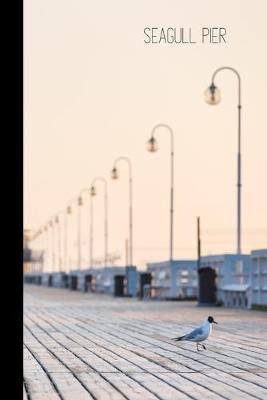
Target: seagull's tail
column 178, row 338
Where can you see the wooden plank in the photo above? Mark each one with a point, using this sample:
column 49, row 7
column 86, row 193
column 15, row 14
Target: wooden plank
column 260, row 379
column 38, row 384
column 63, row 356
column 188, row 387
column 25, row 397
column 129, row 387
column 222, row 388
column 100, row 388
column 39, row 387
column 159, row 388
column 122, row 364
column 70, row 387
column 238, row 382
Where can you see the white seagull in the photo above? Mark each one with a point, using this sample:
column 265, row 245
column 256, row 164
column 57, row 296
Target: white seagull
column 199, row 334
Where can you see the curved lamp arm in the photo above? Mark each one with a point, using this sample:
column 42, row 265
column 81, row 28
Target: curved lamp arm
column 128, row 161
column 100, row 179
column 169, row 129
column 238, row 79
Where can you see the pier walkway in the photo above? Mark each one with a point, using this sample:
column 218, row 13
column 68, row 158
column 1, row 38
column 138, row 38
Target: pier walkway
column 81, row 346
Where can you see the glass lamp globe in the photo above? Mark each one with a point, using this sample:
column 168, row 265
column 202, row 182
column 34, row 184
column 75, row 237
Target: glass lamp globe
column 92, row 191
column 213, row 95
column 114, row 173
column 152, row 145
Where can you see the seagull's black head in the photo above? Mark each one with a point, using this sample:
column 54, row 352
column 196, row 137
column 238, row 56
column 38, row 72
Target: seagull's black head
column 211, row 320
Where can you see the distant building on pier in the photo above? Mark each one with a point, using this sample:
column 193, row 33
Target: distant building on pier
column 233, row 275
column 176, row 279
column 259, row 277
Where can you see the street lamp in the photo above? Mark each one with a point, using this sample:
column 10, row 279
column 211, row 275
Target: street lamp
column 40, row 245
column 33, row 239
column 57, row 222
column 93, row 193
column 45, row 230
column 37, row 263
column 212, row 96
column 115, row 175
column 68, row 212
column 152, row 147
column 80, row 203
column 51, row 225
column 91, row 233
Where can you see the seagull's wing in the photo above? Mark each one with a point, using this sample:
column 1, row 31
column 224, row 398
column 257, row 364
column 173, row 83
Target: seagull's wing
column 196, row 334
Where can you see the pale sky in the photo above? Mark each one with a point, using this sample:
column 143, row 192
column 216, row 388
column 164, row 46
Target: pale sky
column 93, row 91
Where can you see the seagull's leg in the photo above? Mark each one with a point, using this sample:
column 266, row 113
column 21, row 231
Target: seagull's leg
column 204, row 347
column 197, row 347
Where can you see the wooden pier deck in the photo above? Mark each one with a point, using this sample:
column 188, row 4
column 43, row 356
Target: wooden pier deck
column 87, row 346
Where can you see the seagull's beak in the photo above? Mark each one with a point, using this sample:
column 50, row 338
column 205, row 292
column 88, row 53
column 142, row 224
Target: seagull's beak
column 215, row 322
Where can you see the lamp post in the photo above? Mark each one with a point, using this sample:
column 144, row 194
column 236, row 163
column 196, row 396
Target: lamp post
column 80, row 203
column 68, row 212
column 152, row 146
column 91, row 233
column 34, row 237
column 36, row 259
column 57, row 222
column 64, row 213
column 45, row 230
column 40, row 246
column 115, row 175
column 32, row 246
column 213, row 96
column 93, row 193
column 51, row 225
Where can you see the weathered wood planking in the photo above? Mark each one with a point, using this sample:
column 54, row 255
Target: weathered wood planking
column 25, row 397
column 38, row 384
column 85, row 346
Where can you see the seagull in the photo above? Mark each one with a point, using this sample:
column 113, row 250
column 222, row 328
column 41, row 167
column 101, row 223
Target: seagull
column 199, row 334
